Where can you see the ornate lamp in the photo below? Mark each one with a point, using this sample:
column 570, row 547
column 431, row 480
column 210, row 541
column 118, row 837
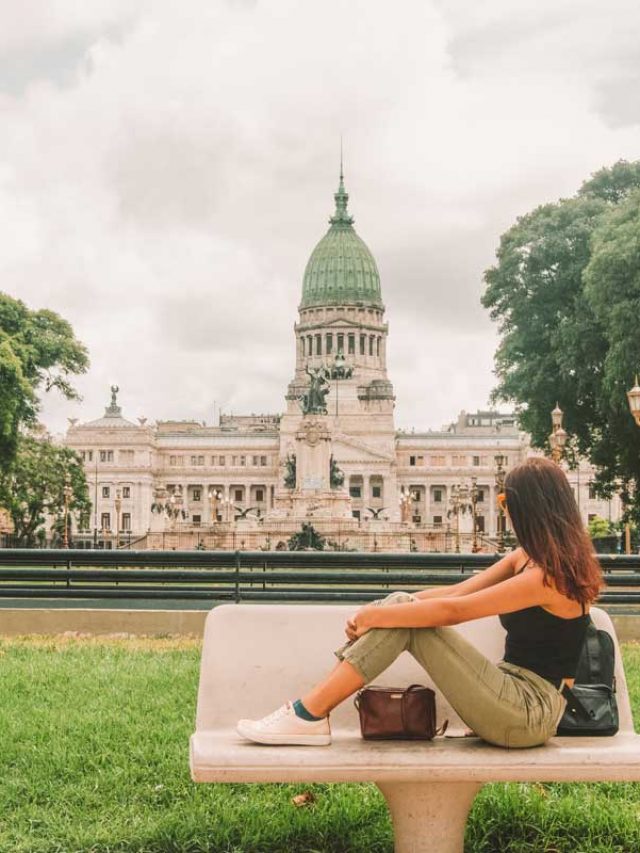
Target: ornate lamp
column 633, row 396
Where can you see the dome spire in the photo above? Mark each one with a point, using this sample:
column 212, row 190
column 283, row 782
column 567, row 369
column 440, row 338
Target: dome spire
column 341, row 217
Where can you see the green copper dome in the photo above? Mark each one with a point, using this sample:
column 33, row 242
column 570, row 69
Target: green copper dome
column 341, row 269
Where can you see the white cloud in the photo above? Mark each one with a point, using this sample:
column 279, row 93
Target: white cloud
column 166, row 195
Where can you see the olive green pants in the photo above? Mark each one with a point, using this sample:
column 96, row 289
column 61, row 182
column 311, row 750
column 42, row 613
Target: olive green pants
column 504, row 704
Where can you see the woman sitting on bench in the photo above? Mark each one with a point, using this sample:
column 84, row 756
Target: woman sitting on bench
column 541, row 592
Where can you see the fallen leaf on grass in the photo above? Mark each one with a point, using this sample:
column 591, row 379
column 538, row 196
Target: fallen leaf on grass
column 303, row 799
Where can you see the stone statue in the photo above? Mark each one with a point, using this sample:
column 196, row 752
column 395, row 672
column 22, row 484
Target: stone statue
column 336, row 476
column 114, row 391
column 314, row 401
column 290, row 471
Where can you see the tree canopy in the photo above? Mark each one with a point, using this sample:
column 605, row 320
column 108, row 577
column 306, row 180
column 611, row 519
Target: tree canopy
column 38, row 351
column 565, row 292
column 32, row 491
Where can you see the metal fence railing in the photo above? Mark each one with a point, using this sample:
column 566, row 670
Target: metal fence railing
column 256, row 575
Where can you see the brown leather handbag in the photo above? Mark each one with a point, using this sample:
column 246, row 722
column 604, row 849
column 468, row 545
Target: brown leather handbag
column 388, row 713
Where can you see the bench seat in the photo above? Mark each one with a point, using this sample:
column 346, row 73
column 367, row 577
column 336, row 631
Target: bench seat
column 224, row 757
column 254, row 657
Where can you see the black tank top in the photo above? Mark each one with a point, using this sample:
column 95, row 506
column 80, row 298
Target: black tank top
column 546, row 644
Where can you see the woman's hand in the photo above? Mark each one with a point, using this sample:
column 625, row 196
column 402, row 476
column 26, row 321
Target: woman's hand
column 357, row 625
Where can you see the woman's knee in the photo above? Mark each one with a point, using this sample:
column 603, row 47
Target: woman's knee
column 398, row 597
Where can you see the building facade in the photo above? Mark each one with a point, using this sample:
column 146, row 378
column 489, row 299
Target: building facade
column 183, row 484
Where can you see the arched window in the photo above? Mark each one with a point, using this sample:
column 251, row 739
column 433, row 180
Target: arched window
column 318, row 344
column 371, row 340
column 352, row 344
column 302, row 342
column 363, row 341
column 378, row 346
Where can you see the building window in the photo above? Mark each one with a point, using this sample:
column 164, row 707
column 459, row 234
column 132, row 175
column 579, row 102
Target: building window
column 329, row 343
column 237, row 495
column 371, row 340
column 417, row 519
column 126, row 491
column 355, row 491
column 126, row 457
column 197, row 494
column 437, row 495
column 234, row 461
column 309, row 345
column 302, row 342
column 105, row 491
column 255, row 460
column 437, row 520
column 356, row 514
column 592, row 492
column 480, row 523
column 318, row 344
column 106, row 455
column 415, row 495
column 476, row 461
column 438, row 460
column 259, row 495
column 412, row 460
column 480, row 498
column 340, row 343
column 243, row 460
column 352, row 344
column 197, row 460
column 222, row 460
column 105, row 521
column 126, row 521
column 263, row 461
column 376, row 491
column 363, row 341
column 196, row 520
column 377, row 346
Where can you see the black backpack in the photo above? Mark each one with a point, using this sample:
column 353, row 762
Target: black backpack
column 591, row 702
column 597, row 658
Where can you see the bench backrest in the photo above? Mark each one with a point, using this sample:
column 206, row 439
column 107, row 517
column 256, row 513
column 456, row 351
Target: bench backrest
column 255, row 657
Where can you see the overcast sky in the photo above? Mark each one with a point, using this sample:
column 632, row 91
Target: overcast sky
column 166, row 169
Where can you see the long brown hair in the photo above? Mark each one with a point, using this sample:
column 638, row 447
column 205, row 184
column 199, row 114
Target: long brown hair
column 548, row 525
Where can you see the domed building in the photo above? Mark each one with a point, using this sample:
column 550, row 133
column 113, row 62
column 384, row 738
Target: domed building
column 333, row 457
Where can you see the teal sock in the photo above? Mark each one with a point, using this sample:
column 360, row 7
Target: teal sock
column 302, row 712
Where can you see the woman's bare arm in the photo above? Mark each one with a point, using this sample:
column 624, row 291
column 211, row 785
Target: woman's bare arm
column 524, row 590
column 498, row 572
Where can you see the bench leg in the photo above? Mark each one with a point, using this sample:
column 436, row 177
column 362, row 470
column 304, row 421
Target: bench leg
column 429, row 816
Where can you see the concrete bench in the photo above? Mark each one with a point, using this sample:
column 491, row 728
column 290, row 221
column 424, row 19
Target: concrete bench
column 254, row 658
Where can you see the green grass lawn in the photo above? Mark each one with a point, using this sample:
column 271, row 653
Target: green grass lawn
column 93, row 757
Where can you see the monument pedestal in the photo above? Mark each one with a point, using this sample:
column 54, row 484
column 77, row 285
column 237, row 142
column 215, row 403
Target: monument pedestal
column 313, row 496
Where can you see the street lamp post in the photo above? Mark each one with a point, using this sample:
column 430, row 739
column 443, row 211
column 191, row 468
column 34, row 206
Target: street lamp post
column 459, row 502
column 118, row 505
column 473, row 494
column 558, row 437
column 499, row 478
column 67, row 493
column 633, row 396
column 215, row 496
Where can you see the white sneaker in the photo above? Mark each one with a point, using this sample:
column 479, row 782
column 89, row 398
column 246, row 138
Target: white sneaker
column 284, row 726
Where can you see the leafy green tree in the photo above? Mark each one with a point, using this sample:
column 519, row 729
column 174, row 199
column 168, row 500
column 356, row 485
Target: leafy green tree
column 599, row 527
column 566, row 334
column 38, row 351
column 32, row 491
